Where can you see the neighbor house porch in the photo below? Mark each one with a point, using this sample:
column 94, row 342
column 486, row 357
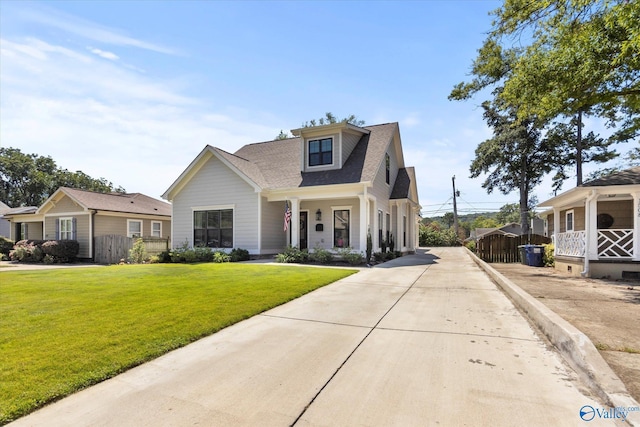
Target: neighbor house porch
column 598, row 234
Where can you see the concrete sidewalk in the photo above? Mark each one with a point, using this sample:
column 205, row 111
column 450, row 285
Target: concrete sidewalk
column 423, row 340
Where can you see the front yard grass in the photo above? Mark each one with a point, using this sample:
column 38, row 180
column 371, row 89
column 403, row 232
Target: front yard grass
column 63, row 330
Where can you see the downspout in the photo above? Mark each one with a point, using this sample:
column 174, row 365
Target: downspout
column 587, row 221
column 92, row 233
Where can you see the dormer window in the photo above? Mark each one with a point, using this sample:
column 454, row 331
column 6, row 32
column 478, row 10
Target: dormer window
column 320, row 152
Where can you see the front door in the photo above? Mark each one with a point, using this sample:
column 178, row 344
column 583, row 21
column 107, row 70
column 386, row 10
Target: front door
column 304, row 231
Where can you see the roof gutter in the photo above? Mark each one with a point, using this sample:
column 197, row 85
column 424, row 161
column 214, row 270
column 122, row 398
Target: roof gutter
column 587, row 221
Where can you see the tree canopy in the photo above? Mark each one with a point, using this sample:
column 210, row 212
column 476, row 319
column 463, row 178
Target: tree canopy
column 330, row 118
column 558, row 57
column 29, row 179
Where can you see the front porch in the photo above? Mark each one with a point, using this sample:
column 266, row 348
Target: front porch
column 337, row 223
column 598, row 236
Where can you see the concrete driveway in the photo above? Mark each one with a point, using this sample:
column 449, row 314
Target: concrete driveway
column 423, row 340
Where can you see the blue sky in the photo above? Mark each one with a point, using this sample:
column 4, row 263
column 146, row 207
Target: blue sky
column 133, row 91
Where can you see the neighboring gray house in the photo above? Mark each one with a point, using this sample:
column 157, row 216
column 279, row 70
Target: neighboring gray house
column 339, row 181
column 596, row 226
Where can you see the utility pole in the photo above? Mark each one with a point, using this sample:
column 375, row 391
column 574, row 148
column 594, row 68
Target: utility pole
column 455, row 208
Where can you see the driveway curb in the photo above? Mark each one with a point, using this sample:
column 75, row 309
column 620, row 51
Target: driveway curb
column 574, row 346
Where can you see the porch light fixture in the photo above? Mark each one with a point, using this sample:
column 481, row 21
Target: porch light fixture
column 318, row 215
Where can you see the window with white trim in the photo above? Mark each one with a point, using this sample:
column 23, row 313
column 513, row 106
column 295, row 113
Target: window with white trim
column 24, row 231
column 156, row 229
column 341, row 228
column 65, row 228
column 134, row 228
column 569, row 217
column 320, row 151
column 213, row 228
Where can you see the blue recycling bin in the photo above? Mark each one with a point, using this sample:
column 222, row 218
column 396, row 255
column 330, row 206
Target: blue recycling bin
column 531, row 255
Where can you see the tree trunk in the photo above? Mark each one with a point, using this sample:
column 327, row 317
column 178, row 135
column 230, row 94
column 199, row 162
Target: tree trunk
column 524, row 197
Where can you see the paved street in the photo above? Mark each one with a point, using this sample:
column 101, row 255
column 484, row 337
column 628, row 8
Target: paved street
column 423, row 340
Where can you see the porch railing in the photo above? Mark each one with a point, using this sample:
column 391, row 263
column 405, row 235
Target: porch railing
column 614, row 243
column 571, row 243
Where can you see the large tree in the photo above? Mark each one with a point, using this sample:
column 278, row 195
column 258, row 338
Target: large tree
column 515, row 158
column 556, row 60
column 565, row 56
column 29, row 179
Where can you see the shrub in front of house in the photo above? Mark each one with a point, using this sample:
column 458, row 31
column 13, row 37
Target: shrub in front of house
column 350, row 256
column 292, row 254
column 25, row 251
column 238, row 254
column 62, row 251
column 188, row 255
column 321, row 256
column 55, row 251
column 6, row 246
column 547, row 257
column 221, row 256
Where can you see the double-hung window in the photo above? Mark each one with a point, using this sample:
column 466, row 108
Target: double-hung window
column 213, row 228
column 320, row 152
column 65, row 229
column 569, row 220
column 156, row 229
column 134, row 228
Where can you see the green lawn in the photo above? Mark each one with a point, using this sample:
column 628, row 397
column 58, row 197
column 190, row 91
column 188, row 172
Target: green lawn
column 62, row 330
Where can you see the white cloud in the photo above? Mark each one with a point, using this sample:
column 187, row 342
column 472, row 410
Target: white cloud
column 107, row 120
column 87, row 29
column 104, row 54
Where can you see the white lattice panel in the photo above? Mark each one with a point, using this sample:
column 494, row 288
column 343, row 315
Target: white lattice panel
column 571, row 243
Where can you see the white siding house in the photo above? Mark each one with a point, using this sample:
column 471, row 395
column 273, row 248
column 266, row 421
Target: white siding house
column 338, row 180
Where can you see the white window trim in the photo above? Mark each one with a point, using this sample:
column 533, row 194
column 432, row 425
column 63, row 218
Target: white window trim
column 308, row 153
column 152, row 230
column 69, row 232
column 129, row 221
column 566, row 220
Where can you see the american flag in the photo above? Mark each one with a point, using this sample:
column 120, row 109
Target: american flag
column 287, row 216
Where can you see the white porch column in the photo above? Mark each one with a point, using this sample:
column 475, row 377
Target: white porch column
column 364, row 204
column 591, row 227
column 556, row 229
column 295, row 222
column 375, row 226
column 636, row 226
column 398, row 237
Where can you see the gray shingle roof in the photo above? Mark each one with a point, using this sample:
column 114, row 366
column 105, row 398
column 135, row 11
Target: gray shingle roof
column 116, row 202
column 625, row 177
column 276, row 164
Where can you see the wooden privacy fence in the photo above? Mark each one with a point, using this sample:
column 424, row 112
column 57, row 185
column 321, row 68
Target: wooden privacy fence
column 501, row 248
column 112, row 248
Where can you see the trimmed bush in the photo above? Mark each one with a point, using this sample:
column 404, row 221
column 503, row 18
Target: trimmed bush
column 5, row 246
column 221, row 256
column 238, row 254
column 322, row 256
column 57, row 251
column 348, row 255
column 61, row 250
column 293, row 255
